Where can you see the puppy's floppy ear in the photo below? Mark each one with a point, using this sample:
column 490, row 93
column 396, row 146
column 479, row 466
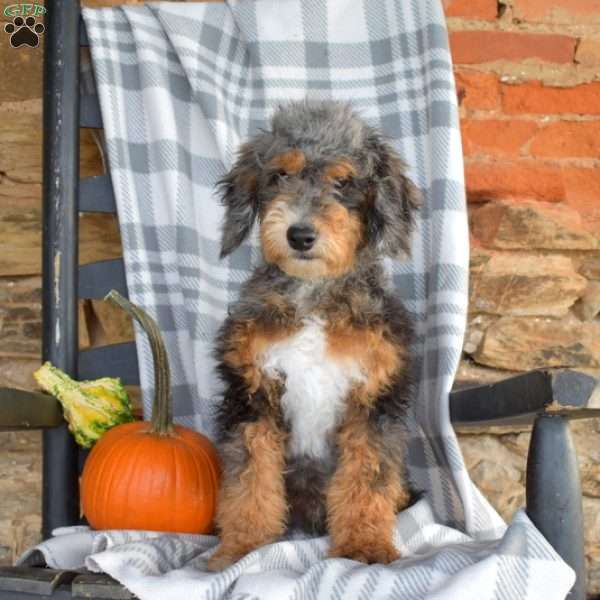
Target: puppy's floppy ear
column 394, row 199
column 239, row 194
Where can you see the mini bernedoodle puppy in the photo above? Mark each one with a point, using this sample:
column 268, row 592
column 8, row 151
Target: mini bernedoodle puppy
column 314, row 355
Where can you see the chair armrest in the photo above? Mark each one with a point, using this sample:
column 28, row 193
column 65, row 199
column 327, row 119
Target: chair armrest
column 518, row 400
column 20, row 409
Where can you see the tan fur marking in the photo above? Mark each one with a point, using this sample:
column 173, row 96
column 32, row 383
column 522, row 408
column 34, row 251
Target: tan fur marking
column 273, row 228
column 379, row 358
column 304, row 269
column 363, row 498
column 292, row 162
column 341, row 234
column 340, row 169
column 252, row 509
column 246, row 343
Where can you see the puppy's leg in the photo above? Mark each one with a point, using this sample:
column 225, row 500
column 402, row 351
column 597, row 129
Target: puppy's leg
column 252, row 509
column 364, row 495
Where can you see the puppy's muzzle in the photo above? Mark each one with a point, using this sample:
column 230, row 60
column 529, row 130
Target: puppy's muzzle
column 301, row 237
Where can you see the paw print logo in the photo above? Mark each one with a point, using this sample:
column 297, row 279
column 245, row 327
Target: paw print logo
column 24, row 32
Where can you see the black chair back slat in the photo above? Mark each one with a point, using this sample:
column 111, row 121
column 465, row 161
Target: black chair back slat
column 98, row 278
column 116, row 360
column 89, row 111
column 96, row 195
column 60, row 498
column 84, row 42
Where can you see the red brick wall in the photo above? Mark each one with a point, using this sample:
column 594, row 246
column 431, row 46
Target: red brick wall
column 530, row 105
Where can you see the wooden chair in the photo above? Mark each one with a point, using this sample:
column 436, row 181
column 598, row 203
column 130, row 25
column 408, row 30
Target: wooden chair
column 548, row 399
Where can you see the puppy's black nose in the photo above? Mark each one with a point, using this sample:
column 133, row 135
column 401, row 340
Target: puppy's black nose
column 301, row 237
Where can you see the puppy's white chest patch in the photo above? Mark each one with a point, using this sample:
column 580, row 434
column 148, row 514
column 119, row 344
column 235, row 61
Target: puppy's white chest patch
column 316, row 386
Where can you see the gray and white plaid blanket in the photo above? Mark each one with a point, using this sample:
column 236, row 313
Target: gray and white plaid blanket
column 181, row 86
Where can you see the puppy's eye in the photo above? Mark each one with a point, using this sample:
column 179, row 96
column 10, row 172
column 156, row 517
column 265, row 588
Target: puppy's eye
column 342, row 184
column 277, row 177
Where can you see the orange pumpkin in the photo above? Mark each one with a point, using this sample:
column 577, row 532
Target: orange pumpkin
column 151, row 475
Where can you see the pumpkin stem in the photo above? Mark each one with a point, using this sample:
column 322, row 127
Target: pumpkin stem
column 162, row 407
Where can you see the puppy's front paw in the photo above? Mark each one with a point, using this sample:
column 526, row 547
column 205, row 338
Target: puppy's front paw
column 368, row 553
column 223, row 558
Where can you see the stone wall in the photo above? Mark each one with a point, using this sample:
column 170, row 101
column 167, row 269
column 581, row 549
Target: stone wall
column 528, row 76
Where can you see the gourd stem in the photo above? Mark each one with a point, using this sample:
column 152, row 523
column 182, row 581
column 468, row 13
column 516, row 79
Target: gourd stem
column 162, row 407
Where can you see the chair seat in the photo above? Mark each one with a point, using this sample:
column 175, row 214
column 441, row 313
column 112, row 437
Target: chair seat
column 25, row 583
